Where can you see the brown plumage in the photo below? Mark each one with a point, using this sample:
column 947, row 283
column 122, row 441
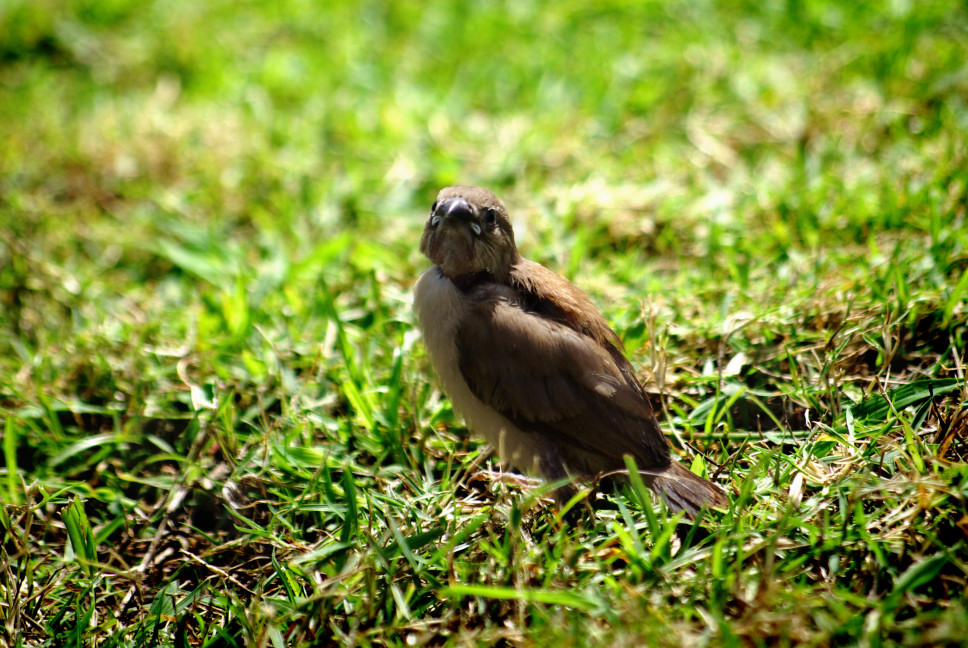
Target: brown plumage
column 530, row 363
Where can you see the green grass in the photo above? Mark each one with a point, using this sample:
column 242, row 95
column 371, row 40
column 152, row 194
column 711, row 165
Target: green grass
column 221, row 429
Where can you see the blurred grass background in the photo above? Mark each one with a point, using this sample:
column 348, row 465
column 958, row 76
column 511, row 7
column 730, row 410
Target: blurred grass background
column 220, row 428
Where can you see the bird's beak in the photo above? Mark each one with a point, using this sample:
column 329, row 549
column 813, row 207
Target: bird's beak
column 456, row 213
column 455, row 209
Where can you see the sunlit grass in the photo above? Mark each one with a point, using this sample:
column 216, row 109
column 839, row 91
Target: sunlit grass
column 220, row 428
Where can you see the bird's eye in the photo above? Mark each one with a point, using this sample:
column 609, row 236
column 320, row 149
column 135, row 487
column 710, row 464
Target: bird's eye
column 490, row 217
column 433, row 207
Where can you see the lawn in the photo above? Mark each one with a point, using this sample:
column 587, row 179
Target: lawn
column 220, row 426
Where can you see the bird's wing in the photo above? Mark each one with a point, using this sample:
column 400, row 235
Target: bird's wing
column 546, row 377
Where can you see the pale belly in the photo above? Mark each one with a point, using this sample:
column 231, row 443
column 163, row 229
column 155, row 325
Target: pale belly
column 439, row 305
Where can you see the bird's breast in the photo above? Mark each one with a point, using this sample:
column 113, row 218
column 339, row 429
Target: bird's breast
column 440, row 306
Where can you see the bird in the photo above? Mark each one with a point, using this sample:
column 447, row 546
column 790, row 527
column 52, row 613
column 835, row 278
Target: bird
column 529, row 362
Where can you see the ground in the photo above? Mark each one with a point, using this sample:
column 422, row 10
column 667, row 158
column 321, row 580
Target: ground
column 220, row 427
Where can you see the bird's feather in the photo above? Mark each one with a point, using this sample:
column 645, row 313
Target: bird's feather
column 554, row 380
column 530, row 362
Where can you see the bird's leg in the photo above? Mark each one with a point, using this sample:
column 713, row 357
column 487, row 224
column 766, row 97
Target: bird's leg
column 552, row 466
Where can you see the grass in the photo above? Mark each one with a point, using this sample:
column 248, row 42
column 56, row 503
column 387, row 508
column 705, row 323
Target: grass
column 221, row 429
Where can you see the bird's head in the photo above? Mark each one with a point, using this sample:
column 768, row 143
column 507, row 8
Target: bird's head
column 468, row 234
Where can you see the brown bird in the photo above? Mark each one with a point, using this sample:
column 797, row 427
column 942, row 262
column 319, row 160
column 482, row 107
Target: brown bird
column 529, row 362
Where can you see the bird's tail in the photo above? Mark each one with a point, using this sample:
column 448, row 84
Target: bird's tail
column 685, row 491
